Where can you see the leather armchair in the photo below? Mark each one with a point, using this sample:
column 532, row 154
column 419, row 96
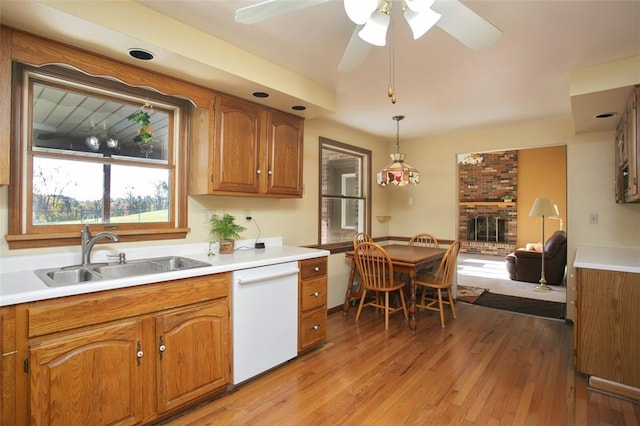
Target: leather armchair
column 526, row 265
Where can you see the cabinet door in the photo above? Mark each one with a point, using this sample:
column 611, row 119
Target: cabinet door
column 238, row 136
column 284, row 155
column 88, row 378
column 193, row 348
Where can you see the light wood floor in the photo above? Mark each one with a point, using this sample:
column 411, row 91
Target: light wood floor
column 487, row 367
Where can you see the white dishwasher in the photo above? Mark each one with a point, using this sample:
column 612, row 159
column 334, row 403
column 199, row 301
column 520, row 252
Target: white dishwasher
column 265, row 318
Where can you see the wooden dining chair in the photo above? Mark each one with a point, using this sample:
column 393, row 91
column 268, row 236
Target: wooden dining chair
column 376, row 273
column 354, row 291
column 440, row 281
column 424, row 240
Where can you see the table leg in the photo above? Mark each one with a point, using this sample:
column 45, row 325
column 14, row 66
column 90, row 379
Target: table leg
column 349, row 294
column 412, row 304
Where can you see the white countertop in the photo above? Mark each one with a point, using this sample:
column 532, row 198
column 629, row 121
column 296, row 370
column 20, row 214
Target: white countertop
column 19, row 284
column 608, row 258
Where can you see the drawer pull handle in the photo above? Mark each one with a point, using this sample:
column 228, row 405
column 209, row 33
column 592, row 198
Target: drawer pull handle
column 316, row 294
column 315, row 327
column 317, row 269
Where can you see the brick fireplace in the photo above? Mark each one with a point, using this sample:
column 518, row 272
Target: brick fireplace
column 486, row 223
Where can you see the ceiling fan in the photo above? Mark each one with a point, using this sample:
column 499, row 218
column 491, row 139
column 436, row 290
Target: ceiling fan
column 372, row 20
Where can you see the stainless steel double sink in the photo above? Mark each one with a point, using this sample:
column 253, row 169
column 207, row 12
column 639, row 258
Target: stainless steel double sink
column 77, row 274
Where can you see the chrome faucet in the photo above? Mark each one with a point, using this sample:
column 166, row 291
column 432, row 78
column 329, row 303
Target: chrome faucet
column 88, row 242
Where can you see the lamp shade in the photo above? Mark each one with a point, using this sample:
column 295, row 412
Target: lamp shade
column 544, row 207
column 359, row 11
column 420, row 22
column 398, row 173
column 375, row 30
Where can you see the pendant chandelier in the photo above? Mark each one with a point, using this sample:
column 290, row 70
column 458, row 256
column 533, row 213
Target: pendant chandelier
column 398, row 173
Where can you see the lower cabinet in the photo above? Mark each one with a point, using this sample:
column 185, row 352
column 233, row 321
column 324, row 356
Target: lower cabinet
column 312, row 306
column 606, row 330
column 127, row 356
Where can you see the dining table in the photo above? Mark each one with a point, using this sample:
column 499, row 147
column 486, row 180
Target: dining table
column 409, row 260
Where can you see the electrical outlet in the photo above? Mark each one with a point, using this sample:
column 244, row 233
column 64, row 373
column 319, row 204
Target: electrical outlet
column 247, row 214
column 593, row 218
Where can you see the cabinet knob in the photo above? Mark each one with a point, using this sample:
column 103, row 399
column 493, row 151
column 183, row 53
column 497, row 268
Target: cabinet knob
column 163, row 348
column 316, row 294
column 258, row 172
column 139, row 352
column 317, row 269
column 270, row 172
column 315, row 327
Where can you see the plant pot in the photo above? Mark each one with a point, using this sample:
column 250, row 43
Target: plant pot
column 227, row 246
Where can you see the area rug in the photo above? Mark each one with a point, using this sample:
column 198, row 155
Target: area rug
column 541, row 308
column 468, row 294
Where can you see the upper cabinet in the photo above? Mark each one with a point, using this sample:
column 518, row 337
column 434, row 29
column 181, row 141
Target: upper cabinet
column 628, row 152
column 241, row 148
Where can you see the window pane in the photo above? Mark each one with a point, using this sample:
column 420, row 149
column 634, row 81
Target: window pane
column 69, row 121
column 344, row 191
column 335, row 166
column 341, row 219
column 75, row 192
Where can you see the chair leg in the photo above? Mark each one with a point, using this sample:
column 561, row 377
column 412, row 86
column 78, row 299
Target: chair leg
column 386, row 310
column 441, row 307
column 404, row 305
column 451, row 303
column 364, row 294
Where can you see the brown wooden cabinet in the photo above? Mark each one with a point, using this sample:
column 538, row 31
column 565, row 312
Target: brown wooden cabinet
column 606, row 328
column 627, row 151
column 250, row 151
column 312, row 306
column 125, row 356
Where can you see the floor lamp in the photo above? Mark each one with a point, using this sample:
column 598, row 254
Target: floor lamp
column 543, row 207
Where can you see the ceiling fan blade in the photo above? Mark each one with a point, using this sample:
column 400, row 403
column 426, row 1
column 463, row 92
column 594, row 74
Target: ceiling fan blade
column 356, row 52
column 465, row 25
column 270, row 9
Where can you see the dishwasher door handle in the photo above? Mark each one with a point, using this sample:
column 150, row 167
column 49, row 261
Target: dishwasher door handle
column 271, row 277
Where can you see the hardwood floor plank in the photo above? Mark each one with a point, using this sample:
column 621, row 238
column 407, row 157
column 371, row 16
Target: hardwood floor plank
column 487, row 367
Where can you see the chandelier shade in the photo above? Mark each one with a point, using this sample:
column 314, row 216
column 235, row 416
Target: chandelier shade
column 398, row 173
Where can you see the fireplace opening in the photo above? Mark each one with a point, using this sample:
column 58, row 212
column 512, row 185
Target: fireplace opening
column 487, row 228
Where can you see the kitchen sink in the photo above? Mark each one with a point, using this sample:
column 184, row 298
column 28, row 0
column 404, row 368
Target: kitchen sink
column 77, row 274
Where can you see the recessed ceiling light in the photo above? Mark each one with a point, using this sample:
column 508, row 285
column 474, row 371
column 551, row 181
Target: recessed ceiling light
column 298, row 107
column 143, row 55
column 260, row 94
column 606, row 115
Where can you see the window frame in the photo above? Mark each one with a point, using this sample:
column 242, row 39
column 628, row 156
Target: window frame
column 22, row 233
column 365, row 156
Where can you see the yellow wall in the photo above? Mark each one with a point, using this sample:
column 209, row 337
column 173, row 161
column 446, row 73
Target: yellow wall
column 542, row 173
column 589, row 190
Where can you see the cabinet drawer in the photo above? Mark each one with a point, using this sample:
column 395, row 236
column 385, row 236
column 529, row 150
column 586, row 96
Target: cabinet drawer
column 313, row 328
column 313, row 293
column 50, row 316
column 313, row 267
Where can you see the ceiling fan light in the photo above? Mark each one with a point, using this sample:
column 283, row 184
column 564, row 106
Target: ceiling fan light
column 420, row 22
column 359, row 11
column 375, row 30
column 419, row 5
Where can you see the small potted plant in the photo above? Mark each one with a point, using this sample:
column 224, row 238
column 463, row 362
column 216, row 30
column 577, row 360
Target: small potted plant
column 507, row 198
column 227, row 230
